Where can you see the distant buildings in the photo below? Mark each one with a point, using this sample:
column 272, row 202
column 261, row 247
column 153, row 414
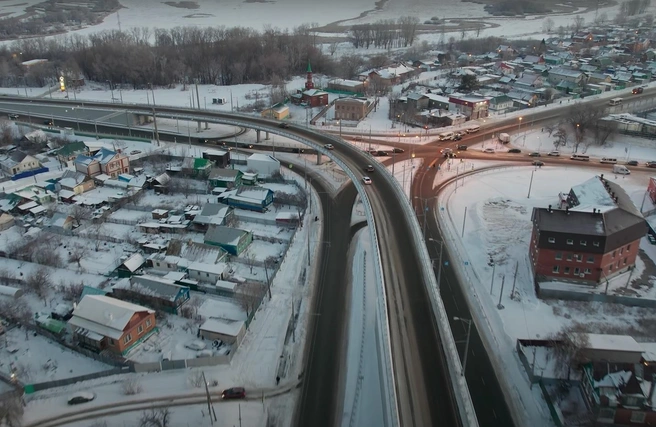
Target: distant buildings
column 108, row 162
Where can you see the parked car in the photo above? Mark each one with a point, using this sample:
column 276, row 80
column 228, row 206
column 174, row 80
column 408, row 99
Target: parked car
column 329, row 147
column 651, row 164
column 234, row 393
column 283, row 125
column 462, row 147
column 133, row 152
column 366, row 180
column 398, row 150
column 81, row 397
column 381, row 153
column 554, row 153
column 535, row 154
column 632, row 163
column 13, row 116
column 515, row 150
column 489, row 150
column 457, row 137
column 369, row 168
column 537, row 163
column 637, row 90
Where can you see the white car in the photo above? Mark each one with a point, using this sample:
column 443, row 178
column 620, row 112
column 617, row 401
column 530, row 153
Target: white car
column 554, row 153
column 196, row 345
column 329, row 147
column 366, row 180
column 489, row 150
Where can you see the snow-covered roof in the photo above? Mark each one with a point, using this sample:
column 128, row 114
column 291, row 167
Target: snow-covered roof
column 212, row 213
column 263, row 157
column 27, row 206
column 223, row 284
column 37, row 210
column 151, row 285
column 649, row 353
column 10, row 291
column 59, row 220
column 212, row 152
column 592, row 192
column 207, row 268
column 134, row 262
column 613, row 343
column 224, row 327
column 105, row 315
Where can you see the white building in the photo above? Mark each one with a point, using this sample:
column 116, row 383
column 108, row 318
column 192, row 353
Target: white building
column 263, row 165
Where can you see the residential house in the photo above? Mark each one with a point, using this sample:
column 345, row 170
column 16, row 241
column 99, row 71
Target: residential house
column 557, row 75
column 529, row 80
column 102, row 323
column 553, row 60
column 108, row 162
column 61, row 221
column 17, row 162
column 350, row 86
column 75, row 182
column 212, row 214
column 196, row 166
column 232, row 240
column 392, row 75
column 595, row 237
column 354, row 109
column 501, row 104
column 472, row 106
column 225, row 178
column 263, row 165
column 310, row 97
column 70, row 151
column 253, row 198
column 206, row 272
column 220, row 158
column 277, row 112
column 437, row 102
column 152, row 291
column 596, row 78
column 131, row 265
column 417, row 101
column 229, row 331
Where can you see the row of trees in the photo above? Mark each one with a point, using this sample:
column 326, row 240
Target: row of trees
column 581, row 128
column 385, row 33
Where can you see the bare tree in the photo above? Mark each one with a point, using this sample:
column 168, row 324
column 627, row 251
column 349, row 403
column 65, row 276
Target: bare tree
column 11, row 410
column 250, row 261
column 550, row 128
column 332, row 48
column 249, row 296
column 602, row 131
column 39, row 283
column 562, row 137
column 548, row 25
column 80, row 213
column 569, row 346
column 70, row 292
column 578, row 23
column 131, row 386
column 77, row 252
column 195, row 379
column 156, row 417
column 95, row 232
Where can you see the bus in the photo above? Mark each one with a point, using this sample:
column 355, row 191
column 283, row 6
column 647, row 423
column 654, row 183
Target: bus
column 580, row 157
column 615, row 101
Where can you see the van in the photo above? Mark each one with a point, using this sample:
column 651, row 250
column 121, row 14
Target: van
column 473, row 128
column 580, row 157
column 621, row 170
column 615, row 101
column 445, row 136
column 609, row 160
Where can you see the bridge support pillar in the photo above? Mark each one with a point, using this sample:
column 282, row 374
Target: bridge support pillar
column 266, row 136
column 207, row 125
column 257, row 136
column 198, row 128
column 318, row 158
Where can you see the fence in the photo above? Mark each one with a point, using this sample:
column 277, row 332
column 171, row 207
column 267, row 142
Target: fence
column 555, row 413
column 167, row 365
column 29, row 173
column 33, row 388
column 564, row 294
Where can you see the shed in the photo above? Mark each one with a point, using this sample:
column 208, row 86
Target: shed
column 160, row 214
column 263, row 164
column 612, row 348
column 131, row 265
column 228, row 331
column 220, row 158
column 6, row 221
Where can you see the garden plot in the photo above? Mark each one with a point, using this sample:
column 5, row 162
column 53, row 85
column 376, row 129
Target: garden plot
column 260, row 250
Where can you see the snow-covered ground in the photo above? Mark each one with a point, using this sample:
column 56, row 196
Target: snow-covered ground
column 404, row 172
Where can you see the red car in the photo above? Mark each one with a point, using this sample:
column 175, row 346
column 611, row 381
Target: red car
column 234, row 393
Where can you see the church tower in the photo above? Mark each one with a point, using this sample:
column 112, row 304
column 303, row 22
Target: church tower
column 309, row 84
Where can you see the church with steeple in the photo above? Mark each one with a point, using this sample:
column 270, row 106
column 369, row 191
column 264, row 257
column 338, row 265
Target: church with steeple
column 310, row 96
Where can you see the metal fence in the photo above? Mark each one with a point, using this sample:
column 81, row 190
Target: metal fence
column 33, row 388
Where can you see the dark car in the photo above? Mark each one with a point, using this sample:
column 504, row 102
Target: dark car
column 234, row 393
column 537, row 163
column 81, row 397
column 462, row 147
column 637, row 90
column 47, row 122
column 381, row 153
column 398, row 150
column 283, row 125
column 13, row 116
column 369, row 168
column 651, row 164
column 515, row 150
column 632, row 163
column 450, row 155
column 457, row 137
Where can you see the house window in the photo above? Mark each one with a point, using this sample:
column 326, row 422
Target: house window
column 625, row 260
column 559, row 255
column 147, row 323
column 636, row 416
column 127, row 338
column 207, row 274
column 157, row 264
column 552, row 240
column 578, row 257
column 168, row 265
column 590, row 259
column 621, row 251
column 555, row 269
column 566, row 270
column 628, row 247
column 614, row 252
column 569, row 257
column 595, row 244
column 584, row 243
column 140, row 329
column 577, row 271
column 570, row 241
column 111, row 341
column 588, row 271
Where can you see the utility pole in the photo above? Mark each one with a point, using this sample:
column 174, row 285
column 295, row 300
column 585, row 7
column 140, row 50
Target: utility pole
column 197, row 95
column 503, row 279
column 155, row 124
column 210, row 408
column 464, row 220
column 530, row 185
column 512, row 293
column 494, row 265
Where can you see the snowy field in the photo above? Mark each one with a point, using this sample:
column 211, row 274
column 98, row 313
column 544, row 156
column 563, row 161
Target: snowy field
column 498, row 225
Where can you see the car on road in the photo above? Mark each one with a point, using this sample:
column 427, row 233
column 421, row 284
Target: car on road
column 14, row 116
column 450, row 155
column 462, row 147
column 369, row 168
column 133, row 152
column 81, row 397
column 632, row 163
column 651, row 164
column 457, row 136
column 537, row 163
column 381, row 153
column 47, row 122
column 366, row 180
column 234, row 393
column 398, row 150
column 514, row 150
column 283, row 125
column 637, row 90
column 554, row 153
column 489, row 150
column 535, row 154
column 329, row 147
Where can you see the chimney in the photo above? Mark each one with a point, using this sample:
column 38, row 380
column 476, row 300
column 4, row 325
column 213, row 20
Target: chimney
column 549, row 208
column 594, row 211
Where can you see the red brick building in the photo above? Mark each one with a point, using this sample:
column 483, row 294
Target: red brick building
column 651, row 189
column 472, row 106
column 310, row 97
column 595, row 237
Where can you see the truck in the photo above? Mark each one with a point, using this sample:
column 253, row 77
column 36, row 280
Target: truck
column 504, row 138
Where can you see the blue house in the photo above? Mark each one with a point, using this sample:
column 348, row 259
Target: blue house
column 253, row 198
column 152, row 291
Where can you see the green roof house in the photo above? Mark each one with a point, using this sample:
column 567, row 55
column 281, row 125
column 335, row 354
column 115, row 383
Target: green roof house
column 70, row 151
column 233, row 240
column 225, row 178
column 196, row 166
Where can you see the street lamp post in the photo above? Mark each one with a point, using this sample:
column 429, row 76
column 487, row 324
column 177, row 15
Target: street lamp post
column 111, row 88
column 439, row 269
column 519, row 127
column 412, row 167
column 464, row 361
column 340, row 128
